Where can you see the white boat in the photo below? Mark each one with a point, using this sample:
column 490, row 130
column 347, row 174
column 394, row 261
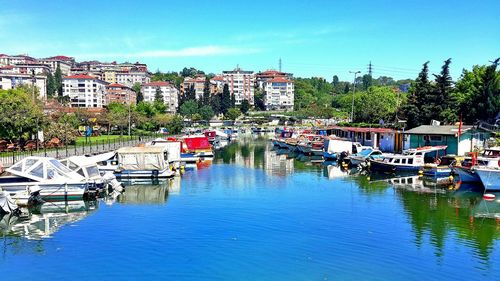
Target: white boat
column 106, row 162
column 87, row 167
column 173, row 149
column 411, row 160
column 490, row 177
column 56, row 181
column 363, row 157
column 334, row 146
column 490, row 158
column 143, row 162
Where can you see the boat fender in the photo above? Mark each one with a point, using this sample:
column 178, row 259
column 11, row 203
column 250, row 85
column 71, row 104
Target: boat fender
column 489, row 197
column 450, row 178
column 498, row 163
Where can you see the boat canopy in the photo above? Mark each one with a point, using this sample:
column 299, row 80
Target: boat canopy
column 78, row 163
column 194, row 143
column 43, row 169
column 142, row 158
column 101, row 157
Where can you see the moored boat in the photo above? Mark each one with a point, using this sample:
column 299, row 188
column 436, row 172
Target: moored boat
column 490, row 177
column 411, row 160
column 54, row 180
column 143, row 162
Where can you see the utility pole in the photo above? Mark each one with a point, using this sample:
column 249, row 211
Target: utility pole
column 279, row 63
column 370, row 68
column 353, row 91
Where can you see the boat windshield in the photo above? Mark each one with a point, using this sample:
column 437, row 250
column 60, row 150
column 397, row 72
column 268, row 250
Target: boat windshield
column 93, row 171
column 365, row 152
column 60, row 166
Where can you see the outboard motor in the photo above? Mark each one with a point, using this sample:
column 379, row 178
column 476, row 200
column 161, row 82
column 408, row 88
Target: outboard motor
column 113, row 185
column 7, row 205
column 35, row 197
column 342, row 156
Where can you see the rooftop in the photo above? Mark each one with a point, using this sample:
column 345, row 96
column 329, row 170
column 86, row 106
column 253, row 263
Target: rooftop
column 449, row 130
column 157, row 84
column 81, row 76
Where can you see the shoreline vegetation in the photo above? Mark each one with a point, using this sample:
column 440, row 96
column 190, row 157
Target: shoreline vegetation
column 383, row 101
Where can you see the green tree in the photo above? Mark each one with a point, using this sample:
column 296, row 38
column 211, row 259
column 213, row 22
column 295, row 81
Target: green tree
column 346, row 88
column 51, row 86
column 367, row 81
column 137, row 89
column 206, row 92
column 216, row 103
column 58, row 81
column 478, row 93
column 245, row 106
column 259, row 100
column 189, row 108
column 159, row 103
column 440, row 101
column 225, row 99
column 206, row 112
column 21, row 115
column 335, row 81
column 175, row 125
column 232, row 114
column 118, row 115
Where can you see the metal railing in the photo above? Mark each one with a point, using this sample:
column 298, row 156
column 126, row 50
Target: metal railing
column 8, row 159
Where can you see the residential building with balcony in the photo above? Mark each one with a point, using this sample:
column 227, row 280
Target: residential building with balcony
column 84, row 90
column 241, row 84
column 267, row 75
column 119, row 93
column 63, row 62
column 169, row 92
column 279, row 94
column 198, row 83
column 12, row 80
column 130, row 77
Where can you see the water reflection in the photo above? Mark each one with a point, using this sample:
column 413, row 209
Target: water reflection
column 436, row 208
column 44, row 220
column 259, row 153
column 152, row 192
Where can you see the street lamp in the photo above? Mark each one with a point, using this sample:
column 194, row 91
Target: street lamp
column 353, row 91
column 128, row 101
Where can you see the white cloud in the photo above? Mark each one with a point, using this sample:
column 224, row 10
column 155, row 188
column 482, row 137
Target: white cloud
column 203, row 51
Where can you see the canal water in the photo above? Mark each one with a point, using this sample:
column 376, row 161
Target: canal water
column 260, row 214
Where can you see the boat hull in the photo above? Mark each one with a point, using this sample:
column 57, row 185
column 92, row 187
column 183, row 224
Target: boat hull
column 379, row 166
column 467, row 175
column 49, row 192
column 144, row 174
column 490, row 178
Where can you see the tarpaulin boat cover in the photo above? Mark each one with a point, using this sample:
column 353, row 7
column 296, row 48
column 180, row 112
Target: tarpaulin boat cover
column 197, row 143
column 142, row 158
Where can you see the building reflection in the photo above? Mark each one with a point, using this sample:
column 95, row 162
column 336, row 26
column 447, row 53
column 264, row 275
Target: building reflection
column 256, row 153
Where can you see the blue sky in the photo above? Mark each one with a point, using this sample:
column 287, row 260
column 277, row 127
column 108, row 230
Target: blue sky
column 313, row 38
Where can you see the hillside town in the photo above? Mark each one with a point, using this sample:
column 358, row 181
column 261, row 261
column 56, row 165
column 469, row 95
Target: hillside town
column 94, row 84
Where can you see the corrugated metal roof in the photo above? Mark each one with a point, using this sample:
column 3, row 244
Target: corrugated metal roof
column 437, row 130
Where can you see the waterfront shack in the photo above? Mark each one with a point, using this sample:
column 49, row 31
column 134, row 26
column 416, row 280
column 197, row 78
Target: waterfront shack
column 429, row 135
column 385, row 139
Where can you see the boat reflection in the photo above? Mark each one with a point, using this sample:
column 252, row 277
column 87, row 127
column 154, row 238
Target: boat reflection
column 44, row 220
column 152, row 193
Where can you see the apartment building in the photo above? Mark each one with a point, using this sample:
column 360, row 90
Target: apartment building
column 130, row 77
column 12, row 80
column 198, row 83
column 278, row 94
column 63, row 62
column 84, row 90
column 241, row 84
column 119, row 93
column 169, row 92
column 267, row 75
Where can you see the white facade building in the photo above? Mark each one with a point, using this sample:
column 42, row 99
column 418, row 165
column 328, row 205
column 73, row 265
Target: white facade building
column 169, row 92
column 279, row 94
column 241, row 84
column 63, row 62
column 84, row 90
column 12, row 80
column 129, row 78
